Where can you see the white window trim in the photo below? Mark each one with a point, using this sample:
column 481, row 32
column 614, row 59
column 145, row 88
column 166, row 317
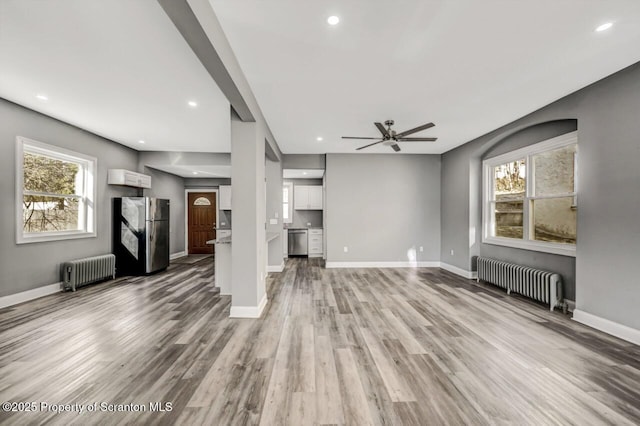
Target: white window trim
column 488, row 224
column 90, row 182
column 289, row 185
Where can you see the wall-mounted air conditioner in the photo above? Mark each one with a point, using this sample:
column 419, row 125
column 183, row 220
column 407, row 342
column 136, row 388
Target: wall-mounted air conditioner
column 128, row 178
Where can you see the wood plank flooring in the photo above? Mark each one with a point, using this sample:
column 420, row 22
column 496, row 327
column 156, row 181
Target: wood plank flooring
column 349, row 346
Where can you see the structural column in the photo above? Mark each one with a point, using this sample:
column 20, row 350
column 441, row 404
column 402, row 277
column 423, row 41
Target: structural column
column 248, row 256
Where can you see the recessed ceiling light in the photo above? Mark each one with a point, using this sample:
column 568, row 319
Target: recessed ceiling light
column 333, row 20
column 319, row 138
column 604, row 26
column 140, row 141
column 192, row 104
column 304, row 173
column 42, row 97
column 195, row 173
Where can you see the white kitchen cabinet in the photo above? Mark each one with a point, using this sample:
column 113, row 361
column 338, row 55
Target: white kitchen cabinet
column 307, row 197
column 300, row 197
column 314, row 243
column 224, row 197
column 315, row 197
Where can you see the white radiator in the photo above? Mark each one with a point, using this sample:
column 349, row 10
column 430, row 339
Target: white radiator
column 534, row 283
column 80, row 272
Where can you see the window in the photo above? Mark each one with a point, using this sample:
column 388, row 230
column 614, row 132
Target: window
column 55, row 191
column 530, row 197
column 202, row 201
column 287, row 207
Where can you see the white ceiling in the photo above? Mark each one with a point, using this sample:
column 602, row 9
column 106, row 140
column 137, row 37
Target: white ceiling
column 193, row 171
column 118, row 68
column 469, row 66
column 302, row 173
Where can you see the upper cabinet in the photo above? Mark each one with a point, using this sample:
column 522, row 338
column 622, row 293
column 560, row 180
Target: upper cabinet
column 224, row 195
column 307, row 197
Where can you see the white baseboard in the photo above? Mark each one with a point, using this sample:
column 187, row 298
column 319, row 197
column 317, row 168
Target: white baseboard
column 248, row 311
column 382, row 264
column 276, row 268
column 25, row 296
column 472, row 275
column 177, row 255
column 615, row 329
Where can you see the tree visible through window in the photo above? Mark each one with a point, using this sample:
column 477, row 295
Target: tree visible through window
column 51, row 197
column 56, row 193
column 509, row 184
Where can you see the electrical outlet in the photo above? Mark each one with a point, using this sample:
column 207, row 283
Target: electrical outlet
column 273, row 221
column 223, row 223
column 451, row 252
column 346, row 249
column 308, row 223
column 421, row 248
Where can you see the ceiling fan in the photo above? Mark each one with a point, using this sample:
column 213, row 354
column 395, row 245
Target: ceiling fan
column 391, row 138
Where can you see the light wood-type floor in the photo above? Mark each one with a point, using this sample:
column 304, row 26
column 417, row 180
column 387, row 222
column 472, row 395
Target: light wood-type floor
column 347, row 346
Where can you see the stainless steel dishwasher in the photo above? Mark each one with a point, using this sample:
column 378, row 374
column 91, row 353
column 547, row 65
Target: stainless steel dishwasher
column 297, row 242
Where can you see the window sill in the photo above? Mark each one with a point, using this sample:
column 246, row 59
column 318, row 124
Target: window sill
column 62, row 236
column 560, row 249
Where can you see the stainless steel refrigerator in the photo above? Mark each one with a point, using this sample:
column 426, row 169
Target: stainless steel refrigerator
column 140, row 235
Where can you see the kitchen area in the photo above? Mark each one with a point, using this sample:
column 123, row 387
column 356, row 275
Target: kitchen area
column 294, row 221
column 303, row 213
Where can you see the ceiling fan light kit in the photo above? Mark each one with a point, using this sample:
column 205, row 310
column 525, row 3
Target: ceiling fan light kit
column 391, row 137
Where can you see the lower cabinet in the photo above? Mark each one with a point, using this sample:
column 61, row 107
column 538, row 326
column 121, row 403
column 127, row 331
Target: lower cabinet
column 315, row 247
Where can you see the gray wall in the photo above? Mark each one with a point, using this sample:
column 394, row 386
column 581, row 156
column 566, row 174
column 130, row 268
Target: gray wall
column 302, row 217
column 382, row 207
column 171, row 187
column 273, row 174
column 28, row 266
column 195, row 183
column 248, row 248
column 303, row 161
column 608, row 195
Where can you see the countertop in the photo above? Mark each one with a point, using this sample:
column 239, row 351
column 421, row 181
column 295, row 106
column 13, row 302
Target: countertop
column 223, row 240
column 227, row 240
column 310, row 227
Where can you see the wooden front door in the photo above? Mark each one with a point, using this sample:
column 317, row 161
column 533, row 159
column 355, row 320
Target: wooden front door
column 202, row 222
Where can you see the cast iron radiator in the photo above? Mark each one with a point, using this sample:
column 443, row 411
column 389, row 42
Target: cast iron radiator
column 80, row 272
column 534, row 283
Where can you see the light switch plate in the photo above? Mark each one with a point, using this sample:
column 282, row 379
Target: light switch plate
column 421, row 248
column 223, row 223
column 346, row 249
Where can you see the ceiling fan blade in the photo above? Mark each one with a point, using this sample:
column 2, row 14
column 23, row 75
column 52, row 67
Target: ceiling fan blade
column 395, row 147
column 384, row 131
column 417, row 139
column 415, row 130
column 367, row 146
column 357, row 137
